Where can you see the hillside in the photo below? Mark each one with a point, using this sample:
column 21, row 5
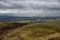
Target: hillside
column 45, row 30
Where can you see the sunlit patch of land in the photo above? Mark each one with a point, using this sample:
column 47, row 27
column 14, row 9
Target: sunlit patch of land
column 30, row 30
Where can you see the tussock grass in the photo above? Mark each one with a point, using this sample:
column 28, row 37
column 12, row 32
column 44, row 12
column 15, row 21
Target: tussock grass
column 34, row 31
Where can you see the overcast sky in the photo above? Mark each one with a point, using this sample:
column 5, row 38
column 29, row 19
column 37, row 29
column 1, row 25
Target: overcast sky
column 31, row 7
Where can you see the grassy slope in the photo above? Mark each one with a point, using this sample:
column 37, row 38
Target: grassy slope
column 34, row 31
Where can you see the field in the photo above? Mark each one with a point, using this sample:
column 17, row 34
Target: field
column 39, row 30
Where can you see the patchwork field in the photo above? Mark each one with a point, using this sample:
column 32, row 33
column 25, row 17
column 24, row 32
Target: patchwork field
column 40, row 30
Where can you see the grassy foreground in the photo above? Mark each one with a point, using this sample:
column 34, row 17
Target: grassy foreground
column 48, row 30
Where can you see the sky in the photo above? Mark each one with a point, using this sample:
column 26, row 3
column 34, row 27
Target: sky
column 30, row 7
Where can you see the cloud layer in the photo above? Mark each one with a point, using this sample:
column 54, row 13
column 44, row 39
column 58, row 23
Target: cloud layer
column 31, row 7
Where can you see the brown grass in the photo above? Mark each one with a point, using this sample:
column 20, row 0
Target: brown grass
column 48, row 30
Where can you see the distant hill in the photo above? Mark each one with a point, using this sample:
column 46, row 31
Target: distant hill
column 11, row 17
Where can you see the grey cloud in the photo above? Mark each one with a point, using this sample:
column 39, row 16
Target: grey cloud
column 54, row 8
column 18, row 4
column 49, row 5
